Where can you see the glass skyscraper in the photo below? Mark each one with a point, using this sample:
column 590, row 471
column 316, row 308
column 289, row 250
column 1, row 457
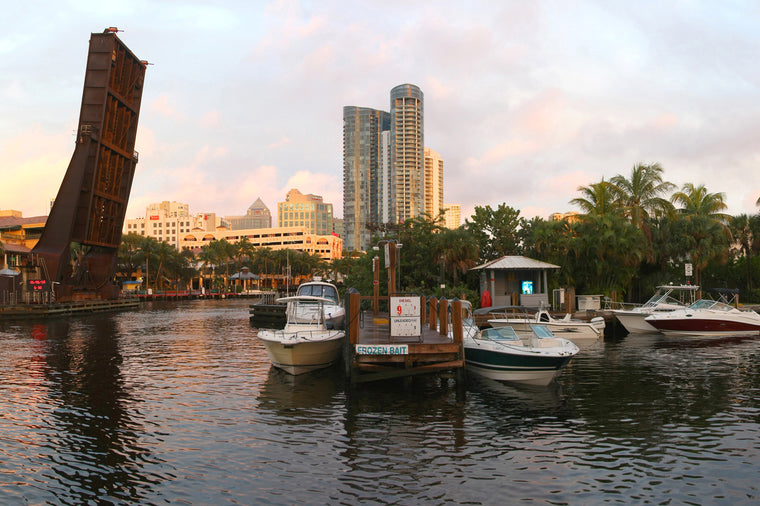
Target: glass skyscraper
column 363, row 178
column 383, row 166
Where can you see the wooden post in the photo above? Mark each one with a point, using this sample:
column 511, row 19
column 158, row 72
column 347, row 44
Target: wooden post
column 443, row 319
column 570, row 299
column 423, row 312
column 392, row 268
column 433, row 315
column 376, row 284
column 354, row 308
column 456, row 320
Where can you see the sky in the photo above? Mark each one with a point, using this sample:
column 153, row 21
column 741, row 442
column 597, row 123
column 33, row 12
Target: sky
column 525, row 101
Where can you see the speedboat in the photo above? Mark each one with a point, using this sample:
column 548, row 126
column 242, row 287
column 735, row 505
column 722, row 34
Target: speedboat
column 303, row 346
column 667, row 298
column 500, row 354
column 334, row 313
column 707, row 317
column 579, row 331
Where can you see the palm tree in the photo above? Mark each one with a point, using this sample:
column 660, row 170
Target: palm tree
column 457, row 252
column 640, row 195
column 165, row 253
column 741, row 230
column 599, row 199
column 697, row 201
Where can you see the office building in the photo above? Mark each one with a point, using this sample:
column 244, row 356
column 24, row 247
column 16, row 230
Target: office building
column 326, row 247
column 308, row 211
column 257, row 216
column 169, row 221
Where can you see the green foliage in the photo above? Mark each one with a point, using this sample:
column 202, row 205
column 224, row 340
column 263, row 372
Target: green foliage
column 496, row 231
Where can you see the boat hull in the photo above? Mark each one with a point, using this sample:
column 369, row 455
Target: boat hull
column 300, row 357
column 634, row 322
column 705, row 327
column 514, row 367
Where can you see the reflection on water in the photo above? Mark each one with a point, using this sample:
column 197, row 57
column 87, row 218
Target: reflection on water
column 177, row 402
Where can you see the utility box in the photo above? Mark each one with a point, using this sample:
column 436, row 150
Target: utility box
column 589, row 302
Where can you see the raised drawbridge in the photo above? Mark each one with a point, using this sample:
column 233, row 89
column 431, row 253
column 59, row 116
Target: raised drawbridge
column 79, row 244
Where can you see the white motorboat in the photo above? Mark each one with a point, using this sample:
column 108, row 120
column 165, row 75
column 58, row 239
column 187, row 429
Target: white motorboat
column 303, row 346
column 579, row 331
column 666, row 298
column 707, row 317
column 500, row 354
column 334, row 313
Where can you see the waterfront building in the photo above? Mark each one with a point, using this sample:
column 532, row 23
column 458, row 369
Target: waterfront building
column 18, row 235
column 570, row 217
column 167, row 221
column 307, row 211
column 452, row 216
column 407, row 152
column 327, row 247
column 338, row 228
column 257, row 216
column 433, row 183
column 366, row 173
column 20, row 231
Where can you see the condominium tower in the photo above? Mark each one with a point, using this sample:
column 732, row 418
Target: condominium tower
column 383, row 165
column 433, row 184
column 407, row 152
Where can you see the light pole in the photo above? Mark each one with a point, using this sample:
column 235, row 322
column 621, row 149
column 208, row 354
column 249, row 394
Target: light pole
column 391, row 261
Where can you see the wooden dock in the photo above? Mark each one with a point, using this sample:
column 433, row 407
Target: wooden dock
column 30, row 311
column 371, row 353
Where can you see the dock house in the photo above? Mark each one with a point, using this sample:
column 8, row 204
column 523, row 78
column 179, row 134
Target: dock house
column 516, row 281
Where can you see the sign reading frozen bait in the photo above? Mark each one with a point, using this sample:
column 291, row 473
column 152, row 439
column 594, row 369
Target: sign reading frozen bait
column 382, row 349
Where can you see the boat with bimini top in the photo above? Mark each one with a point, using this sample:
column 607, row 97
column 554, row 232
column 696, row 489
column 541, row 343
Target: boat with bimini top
column 665, row 299
column 707, row 317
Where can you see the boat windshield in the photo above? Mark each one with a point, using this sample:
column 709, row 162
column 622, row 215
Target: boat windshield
column 711, row 304
column 665, row 295
column 319, row 290
column 500, row 334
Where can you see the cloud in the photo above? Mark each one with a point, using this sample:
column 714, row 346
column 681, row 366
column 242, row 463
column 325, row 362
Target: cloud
column 162, row 106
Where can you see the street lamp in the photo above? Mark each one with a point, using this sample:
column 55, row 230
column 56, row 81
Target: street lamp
column 391, row 261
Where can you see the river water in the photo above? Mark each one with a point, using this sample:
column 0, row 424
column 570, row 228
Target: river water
column 177, row 403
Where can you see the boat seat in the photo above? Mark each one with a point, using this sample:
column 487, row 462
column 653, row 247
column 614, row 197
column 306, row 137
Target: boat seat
column 543, row 337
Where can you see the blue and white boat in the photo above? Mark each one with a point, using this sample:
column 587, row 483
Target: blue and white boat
column 500, row 354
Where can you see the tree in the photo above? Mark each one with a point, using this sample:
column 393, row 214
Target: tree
column 745, row 231
column 604, row 253
column 697, row 201
column 130, row 256
column 598, row 199
column 641, row 195
column 496, row 231
column 457, row 252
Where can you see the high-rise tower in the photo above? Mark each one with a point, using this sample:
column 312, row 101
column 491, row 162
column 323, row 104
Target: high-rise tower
column 407, row 152
column 365, row 185
column 433, row 183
